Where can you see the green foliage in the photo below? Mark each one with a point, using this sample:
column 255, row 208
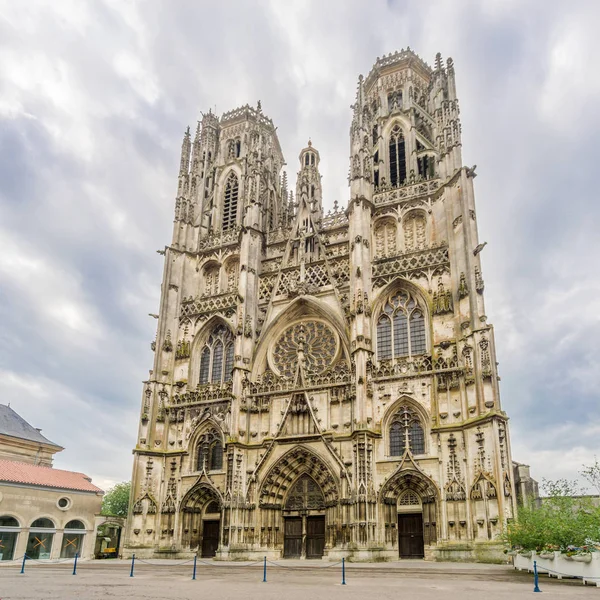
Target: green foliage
column 565, row 518
column 592, row 474
column 116, row 500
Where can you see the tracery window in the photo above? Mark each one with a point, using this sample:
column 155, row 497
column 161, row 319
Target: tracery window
column 317, row 342
column 305, row 495
column 385, row 238
column 426, row 166
column 406, row 432
column 233, row 274
column 230, row 202
column 401, row 328
column 216, row 357
column 209, row 454
column 397, row 157
column 414, row 227
column 211, row 280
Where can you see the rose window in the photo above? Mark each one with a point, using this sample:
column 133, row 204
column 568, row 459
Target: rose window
column 313, row 340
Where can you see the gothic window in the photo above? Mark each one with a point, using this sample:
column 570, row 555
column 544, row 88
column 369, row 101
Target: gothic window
column 204, row 365
column 394, row 100
column 397, row 157
column 238, row 148
column 216, row 357
column 385, row 238
column 414, row 227
column 306, row 159
column 409, row 499
column 232, row 272
column 209, row 452
column 375, row 134
column 401, row 328
column 426, row 166
column 230, row 202
column 312, row 160
column 211, row 281
column 212, row 508
column 406, row 431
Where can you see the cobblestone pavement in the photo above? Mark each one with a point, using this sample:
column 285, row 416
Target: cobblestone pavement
column 296, row 580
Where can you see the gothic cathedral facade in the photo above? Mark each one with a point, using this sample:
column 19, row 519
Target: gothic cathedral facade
column 325, row 384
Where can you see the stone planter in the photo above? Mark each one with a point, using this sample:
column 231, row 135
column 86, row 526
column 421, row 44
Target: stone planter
column 585, row 567
column 547, row 555
column 584, row 558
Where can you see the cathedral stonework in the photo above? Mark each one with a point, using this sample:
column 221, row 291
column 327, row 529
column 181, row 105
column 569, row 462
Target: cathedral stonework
column 325, row 384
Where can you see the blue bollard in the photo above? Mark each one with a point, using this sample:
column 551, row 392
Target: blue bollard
column 265, row 570
column 194, row 573
column 536, row 587
column 132, row 564
column 343, row 571
column 75, row 564
column 23, row 565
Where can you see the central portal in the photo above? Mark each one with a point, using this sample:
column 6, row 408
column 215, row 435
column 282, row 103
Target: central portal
column 304, row 531
column 304, row 537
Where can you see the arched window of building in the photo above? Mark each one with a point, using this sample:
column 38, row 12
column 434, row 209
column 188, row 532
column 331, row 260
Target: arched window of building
column 406, row 431
column 216, row 357
column 9, row 533
column 414, row 227
column 75, row 524
column 209, row 453
column 385, row 238
column 426, row 166
column 230, row 202
column 401, row 328
column 397, row 157
column 211, row 280
column 233, row 274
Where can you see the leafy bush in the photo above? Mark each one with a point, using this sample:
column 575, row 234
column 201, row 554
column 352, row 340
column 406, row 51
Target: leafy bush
column 564, row 519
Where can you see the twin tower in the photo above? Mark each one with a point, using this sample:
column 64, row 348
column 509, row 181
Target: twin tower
column 324, row 384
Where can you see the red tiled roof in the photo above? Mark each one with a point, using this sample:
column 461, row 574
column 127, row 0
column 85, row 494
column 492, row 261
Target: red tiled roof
column 19, row 472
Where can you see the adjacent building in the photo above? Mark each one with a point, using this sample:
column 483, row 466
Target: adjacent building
column 45, row 513
column 325, row 383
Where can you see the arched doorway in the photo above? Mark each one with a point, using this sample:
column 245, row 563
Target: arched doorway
column 409, row 500
column 304, row 520
column 411, row 543
column 201, row 520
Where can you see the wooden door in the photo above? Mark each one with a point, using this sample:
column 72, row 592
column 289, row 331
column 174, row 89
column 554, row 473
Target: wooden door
column 410, row 536
column 292, row 540
column 315, row 537
column 210, row 538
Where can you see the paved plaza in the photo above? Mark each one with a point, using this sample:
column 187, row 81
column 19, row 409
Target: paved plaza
column 298, row 580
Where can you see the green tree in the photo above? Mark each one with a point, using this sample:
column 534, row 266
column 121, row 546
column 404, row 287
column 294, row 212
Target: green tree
column 592, row 473
column 116, row 500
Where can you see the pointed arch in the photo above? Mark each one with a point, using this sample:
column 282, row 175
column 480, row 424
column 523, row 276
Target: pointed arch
column 200, row 495
column 212, row 353
column 230, row 202
column 397, row 156
column 401, row 315
column 415, row 230
column 409, row 477
column 289, row 468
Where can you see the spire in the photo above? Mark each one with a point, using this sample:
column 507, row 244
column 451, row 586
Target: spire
column 186, row 147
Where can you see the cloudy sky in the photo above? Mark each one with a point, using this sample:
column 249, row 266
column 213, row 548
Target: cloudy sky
column 95, row 97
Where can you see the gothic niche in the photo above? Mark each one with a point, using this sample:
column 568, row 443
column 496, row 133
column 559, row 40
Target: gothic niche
column 314, row 341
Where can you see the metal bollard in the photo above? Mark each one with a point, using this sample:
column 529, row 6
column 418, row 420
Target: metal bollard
column 23, row 565
column 265, row 570
column 194, row 573
column 536, row 587
column 132, row 564
column 75, row 564
column 343, row 571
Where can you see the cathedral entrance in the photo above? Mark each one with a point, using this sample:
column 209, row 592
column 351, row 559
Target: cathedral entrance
column 304, row 537
column 304, row 523
column 410, row 535
column 210, row 538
